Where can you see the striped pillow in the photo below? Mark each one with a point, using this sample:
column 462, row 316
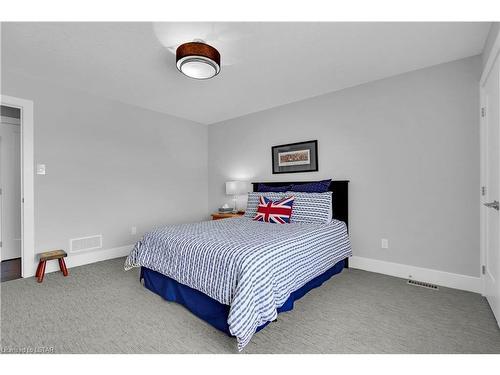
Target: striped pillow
column 315, row 208
column 253, row 201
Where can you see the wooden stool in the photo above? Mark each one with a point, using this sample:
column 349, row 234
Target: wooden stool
column 49, row 255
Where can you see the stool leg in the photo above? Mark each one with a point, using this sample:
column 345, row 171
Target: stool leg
column 62, row 266
column 41, row 273
column 38, row 268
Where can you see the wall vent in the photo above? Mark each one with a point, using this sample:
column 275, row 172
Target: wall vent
column 423, row 284
column 77, row 245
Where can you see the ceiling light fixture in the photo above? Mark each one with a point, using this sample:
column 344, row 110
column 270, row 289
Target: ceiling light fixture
column 198, row 60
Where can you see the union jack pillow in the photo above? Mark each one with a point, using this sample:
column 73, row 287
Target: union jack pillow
column 277, row 212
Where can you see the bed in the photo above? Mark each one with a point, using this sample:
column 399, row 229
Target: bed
column 238, row 274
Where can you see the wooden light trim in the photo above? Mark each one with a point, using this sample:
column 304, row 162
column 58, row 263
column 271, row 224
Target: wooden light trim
column 198, row 51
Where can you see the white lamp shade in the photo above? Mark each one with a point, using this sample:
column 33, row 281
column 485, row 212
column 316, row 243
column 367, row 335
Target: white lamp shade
column 236, row 187
column 198, row 68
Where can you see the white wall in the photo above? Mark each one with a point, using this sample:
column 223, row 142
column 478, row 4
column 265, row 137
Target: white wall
column 409, row 144
column 490, row 40
column 110, row 166
column 410, row 147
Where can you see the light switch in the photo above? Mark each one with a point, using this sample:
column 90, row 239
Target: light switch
column 40, row 169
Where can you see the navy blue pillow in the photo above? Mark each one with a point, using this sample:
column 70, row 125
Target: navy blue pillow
column 263, row 188
column 312, row 187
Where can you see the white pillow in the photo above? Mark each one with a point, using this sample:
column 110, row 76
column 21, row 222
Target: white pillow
column 315, row 208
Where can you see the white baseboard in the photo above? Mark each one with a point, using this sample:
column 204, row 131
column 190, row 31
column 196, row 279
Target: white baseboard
column 80, row 259
column 442, row 278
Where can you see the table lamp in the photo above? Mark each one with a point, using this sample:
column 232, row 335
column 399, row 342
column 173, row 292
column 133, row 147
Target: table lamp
column 235, row 188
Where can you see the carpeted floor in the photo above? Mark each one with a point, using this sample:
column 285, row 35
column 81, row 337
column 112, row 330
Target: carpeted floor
column 100, row 308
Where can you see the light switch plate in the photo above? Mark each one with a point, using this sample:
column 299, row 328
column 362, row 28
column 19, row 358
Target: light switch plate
column 40, row 169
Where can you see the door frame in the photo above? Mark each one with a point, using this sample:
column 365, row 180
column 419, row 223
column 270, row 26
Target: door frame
column 494, row 53
column 27, row 182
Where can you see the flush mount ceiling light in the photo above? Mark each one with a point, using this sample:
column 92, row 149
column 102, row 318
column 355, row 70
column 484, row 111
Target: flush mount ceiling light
column 198, row 60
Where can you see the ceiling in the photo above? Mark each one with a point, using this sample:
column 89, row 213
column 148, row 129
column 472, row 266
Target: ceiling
column 268, row 64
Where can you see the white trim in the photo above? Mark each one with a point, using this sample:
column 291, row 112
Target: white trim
column 27, row 182
column 494, row 52
column 442, row 278
column 80, row 259
column 482, row 171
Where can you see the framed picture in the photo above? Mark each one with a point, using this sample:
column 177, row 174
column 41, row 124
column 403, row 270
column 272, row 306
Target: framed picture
column 295, row 157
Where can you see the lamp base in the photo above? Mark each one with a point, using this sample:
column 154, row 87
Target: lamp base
column 235, row 210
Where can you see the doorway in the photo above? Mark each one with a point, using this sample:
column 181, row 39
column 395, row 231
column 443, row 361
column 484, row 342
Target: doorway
column 17, row 116
column 10, row 192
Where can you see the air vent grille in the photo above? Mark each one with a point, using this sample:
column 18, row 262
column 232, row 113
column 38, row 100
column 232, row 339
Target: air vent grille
column 77, row 245
column 423, row 284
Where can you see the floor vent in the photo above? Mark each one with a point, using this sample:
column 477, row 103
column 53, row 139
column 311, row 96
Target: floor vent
column 77, row 245
column 423, row 284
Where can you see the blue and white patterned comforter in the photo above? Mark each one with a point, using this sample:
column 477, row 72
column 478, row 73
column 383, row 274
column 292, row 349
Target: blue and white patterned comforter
column 250, row 266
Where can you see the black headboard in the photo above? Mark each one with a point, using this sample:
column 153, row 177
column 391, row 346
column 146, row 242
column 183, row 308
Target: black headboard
column 339, row 196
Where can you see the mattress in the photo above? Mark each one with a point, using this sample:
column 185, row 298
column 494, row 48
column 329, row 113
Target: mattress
column 251, row 266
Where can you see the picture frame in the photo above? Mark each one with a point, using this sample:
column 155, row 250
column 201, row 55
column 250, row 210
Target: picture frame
column 295, row 157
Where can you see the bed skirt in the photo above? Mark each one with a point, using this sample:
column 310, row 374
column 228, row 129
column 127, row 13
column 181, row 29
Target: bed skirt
column 212, row 311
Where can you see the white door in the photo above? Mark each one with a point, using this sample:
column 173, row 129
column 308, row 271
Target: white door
column 491, row 168
column 10, row 185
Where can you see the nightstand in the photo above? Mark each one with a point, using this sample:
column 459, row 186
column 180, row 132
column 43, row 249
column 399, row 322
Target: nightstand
column 218, row 215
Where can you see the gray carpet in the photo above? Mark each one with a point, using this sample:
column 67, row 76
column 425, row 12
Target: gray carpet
column 100, row 308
